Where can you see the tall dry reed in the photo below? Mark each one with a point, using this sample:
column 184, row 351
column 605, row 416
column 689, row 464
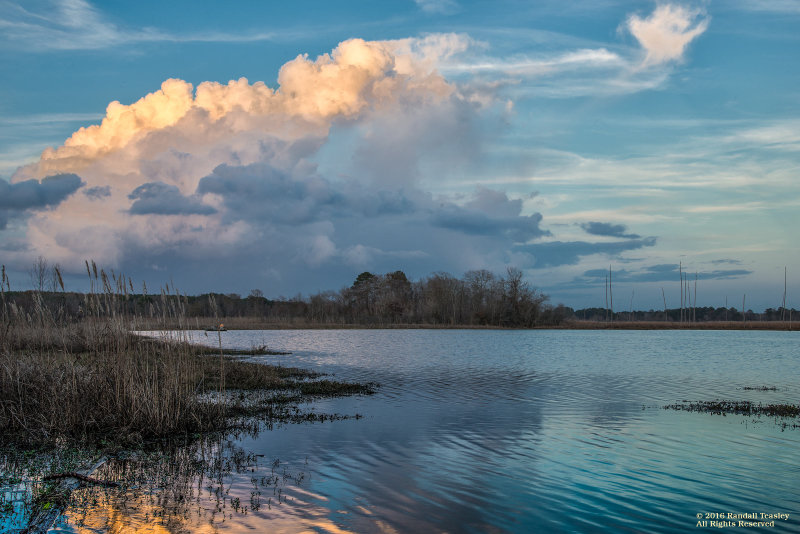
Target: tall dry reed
column 92, row 376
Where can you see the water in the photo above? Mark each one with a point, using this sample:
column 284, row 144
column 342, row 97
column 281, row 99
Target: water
column 520, row 431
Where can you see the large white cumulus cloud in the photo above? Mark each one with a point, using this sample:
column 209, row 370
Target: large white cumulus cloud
column 228, row 174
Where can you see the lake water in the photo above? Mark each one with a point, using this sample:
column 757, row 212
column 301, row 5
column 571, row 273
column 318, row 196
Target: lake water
column 513, row 431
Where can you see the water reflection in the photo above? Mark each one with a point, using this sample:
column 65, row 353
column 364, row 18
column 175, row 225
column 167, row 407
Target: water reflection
column 495, row 431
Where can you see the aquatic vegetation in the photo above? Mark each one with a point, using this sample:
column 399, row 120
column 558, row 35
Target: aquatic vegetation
column 724, row 407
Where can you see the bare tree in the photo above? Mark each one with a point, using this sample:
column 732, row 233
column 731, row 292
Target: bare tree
column 39, row 273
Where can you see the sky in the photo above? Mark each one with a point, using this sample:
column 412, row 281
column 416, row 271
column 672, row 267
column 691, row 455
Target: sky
column 288, row 147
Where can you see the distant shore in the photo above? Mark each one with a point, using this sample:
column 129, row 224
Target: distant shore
column 254, row 323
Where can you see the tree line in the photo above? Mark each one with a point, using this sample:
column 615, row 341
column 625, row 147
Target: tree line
column 700, row 314
column 479, row 298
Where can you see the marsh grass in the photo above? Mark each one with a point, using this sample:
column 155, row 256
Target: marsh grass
column 92, row 379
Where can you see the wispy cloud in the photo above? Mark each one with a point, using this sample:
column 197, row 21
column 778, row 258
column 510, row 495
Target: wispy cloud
column 608, row 229
column 78, row 25
column 781, row 135
column 659, row 273
column 587, row 58
column 48, row 118
column 600, row 70
column 437, row 6
column 772, row 6
column 556, row 253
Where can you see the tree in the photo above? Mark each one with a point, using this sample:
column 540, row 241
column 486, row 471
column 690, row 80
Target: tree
column 39, row 273
column 363, row 277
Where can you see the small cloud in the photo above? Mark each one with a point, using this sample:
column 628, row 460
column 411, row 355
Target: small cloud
column 437, row 6
column 726, row 261
column 98, row 192
column 730, row 273
column 666, row 33
column 490, row 213
column 608, row 229
column 158, row 198
column 519, row 228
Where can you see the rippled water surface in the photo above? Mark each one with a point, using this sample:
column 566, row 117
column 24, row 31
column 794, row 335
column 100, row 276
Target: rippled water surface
column 521, row 431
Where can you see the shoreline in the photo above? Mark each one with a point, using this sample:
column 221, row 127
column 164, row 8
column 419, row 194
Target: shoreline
column 252, row 323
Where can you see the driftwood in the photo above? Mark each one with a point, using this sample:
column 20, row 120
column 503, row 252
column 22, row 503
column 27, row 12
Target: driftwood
column 42, row 519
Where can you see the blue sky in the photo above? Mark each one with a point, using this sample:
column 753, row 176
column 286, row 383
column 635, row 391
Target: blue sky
column 436, row 135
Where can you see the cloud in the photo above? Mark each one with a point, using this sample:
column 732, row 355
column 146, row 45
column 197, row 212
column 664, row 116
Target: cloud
column 157, row 198
column 591, row 68
column 599, row 58
column 557, row 253
column 38, row 194
column 98, row 192
column 666, row 33
column 77, row 25
column 790, row 7
column 490, row 213
column 661, row 273
column 437, row 6
column 607, row 229
column 65, row 25
column 288, row 186
column 356, row 79
column 16, row 199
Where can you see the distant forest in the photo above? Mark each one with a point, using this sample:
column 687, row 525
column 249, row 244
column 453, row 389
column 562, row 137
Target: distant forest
column 699, row 314
column 479, row 298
